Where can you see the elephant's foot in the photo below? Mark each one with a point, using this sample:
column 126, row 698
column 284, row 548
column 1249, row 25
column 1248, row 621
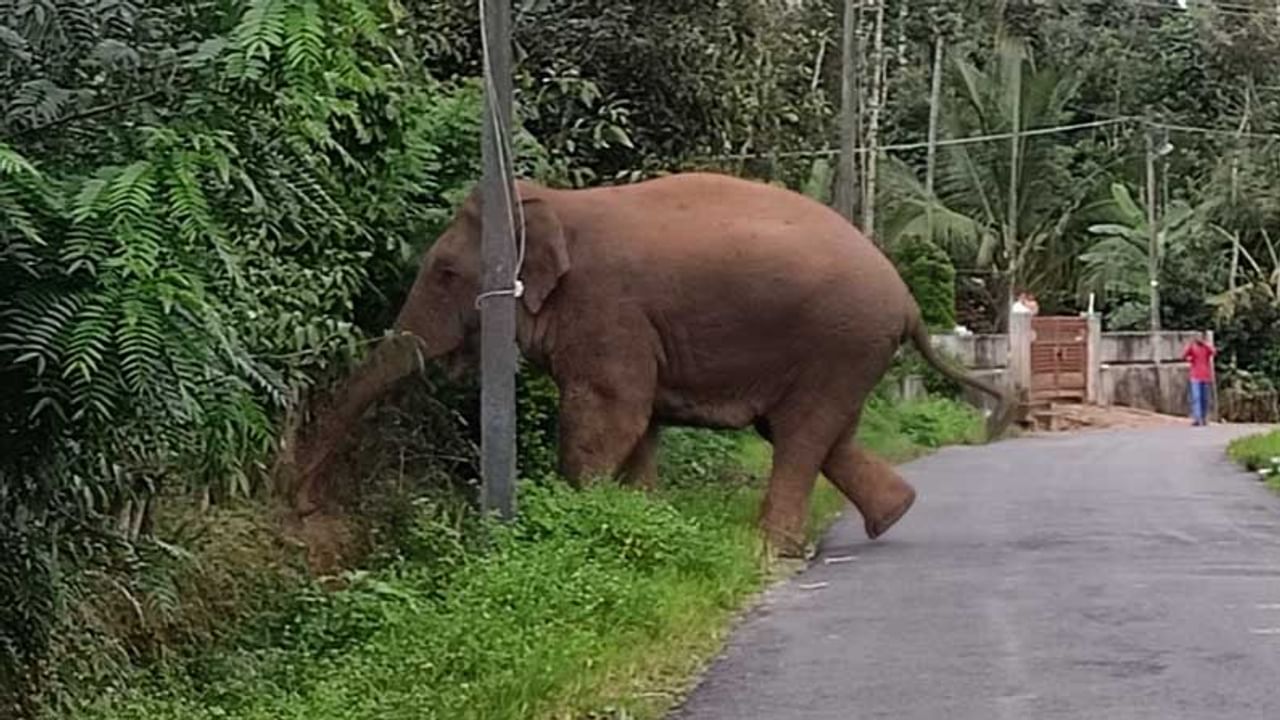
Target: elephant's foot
column 784, row 543
column 877, row 526
column 872, row 485
column 784, row 528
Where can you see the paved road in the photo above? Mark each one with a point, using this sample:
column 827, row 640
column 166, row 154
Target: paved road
column 1099, row 576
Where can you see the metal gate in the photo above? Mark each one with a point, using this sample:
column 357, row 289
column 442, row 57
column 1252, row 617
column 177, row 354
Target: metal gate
column 1059, row 358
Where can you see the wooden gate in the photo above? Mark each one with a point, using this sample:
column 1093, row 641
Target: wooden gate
column 1059, row 358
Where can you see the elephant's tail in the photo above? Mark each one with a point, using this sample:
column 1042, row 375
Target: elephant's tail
column 999, row 420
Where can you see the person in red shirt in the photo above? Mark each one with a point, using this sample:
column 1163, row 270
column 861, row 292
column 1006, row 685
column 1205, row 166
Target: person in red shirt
column 1199, row 354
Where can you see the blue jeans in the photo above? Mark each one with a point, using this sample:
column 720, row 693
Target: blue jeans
column 1199, row 401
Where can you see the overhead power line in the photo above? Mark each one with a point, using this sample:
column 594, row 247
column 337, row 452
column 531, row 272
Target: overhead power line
column 1177, row 127
column 1054, row 130
column 1223, row 8
column 824, row 152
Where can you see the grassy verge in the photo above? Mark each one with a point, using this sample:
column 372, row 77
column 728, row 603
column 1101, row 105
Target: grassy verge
column 595, row 604
column 1259, row 453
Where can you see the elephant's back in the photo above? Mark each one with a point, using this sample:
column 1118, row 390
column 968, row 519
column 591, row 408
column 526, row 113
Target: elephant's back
column 742, row 271
column 734, row 235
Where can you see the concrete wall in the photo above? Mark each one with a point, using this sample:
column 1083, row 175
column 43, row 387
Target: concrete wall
column 1143, row 347
column 1162, row 388
column 979, row 399
column 985, row 356
column 1146, row 370
column 1133, row 369
column 975, row 351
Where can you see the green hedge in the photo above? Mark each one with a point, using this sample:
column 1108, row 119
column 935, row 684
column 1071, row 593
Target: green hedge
column 929, row 273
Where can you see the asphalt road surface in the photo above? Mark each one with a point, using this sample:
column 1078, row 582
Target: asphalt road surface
column 1100, row 576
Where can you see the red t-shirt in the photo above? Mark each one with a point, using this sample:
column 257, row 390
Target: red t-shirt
column 1200, row 355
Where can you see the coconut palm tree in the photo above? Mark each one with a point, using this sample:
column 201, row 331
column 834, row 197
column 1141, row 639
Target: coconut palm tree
column 1006, row 202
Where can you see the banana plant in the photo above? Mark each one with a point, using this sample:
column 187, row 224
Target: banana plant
column 1120, row 259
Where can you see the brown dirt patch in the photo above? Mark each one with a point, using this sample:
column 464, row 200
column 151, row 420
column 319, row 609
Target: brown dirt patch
column 332, row 542
column 1060, row 417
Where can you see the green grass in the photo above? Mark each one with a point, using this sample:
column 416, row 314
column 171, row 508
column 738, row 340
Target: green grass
column 1257, row 453
column 594, row 604
column 902, row 432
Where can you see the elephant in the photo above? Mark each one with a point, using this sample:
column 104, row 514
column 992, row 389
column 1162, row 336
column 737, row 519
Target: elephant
column 693, row 299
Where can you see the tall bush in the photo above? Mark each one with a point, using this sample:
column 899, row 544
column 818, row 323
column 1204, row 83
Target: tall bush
column 931, row 276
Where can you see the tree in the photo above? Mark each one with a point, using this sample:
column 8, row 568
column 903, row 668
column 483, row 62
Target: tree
column 1119, row 262
column 999, row 204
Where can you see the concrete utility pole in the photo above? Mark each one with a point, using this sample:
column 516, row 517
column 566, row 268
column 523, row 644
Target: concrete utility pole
column 498, row 304
column 935, row 101
column 850, row 120
column 1153, row 253
column 877, row 94
column 1153, row 227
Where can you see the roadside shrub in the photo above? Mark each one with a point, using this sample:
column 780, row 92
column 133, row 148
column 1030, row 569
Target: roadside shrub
column 698, row 457
column 909, row 362
column 929, row 273
column 1259, row 453
column 537, row 411
column 933, row 423
column 609, row 523
column 902, row 431
column 1256, row 452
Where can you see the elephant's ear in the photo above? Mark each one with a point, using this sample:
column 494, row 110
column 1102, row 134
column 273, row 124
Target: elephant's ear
column 546, row 257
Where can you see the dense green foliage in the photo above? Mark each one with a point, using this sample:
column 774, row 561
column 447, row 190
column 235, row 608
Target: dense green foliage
column 179, row 265
column 207, row 211
column 930, row 274
column 539, row 620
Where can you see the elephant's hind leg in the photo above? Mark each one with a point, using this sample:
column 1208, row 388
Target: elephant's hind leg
column 641, row 467
column 871, row 484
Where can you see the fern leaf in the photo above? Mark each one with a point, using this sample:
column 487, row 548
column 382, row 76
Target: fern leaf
column 15, row 165
column 88, row 341
column 259, row 33
column 87, row 203
column 140, row 339
column 304, row 37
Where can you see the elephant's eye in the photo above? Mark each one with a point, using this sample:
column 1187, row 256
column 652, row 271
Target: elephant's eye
column 448, row 274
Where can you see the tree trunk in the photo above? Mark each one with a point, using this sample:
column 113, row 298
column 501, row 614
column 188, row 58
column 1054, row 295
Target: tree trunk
column 931, row 158
column 1235, row 188
column 876, row 94
column 1235, row 233
column 850, row 113
column 901, row 50
column 815, row 81
column 1011, row 214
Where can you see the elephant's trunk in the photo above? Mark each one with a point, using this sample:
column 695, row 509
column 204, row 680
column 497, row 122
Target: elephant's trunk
column 999, row 420
column 390, row 361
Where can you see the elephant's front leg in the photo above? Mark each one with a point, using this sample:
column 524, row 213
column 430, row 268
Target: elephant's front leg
column 785, row 511
column 600, row 425
column 801, row 440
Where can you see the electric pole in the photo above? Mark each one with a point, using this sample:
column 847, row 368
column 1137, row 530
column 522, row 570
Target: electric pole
column 1153, row 240
column 847, row 171
column 935, row 100
column 500, row 283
